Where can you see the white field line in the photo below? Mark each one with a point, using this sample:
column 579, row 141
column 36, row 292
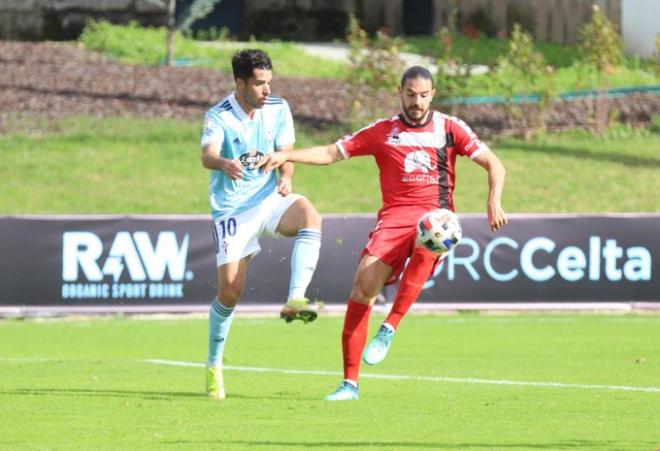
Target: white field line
column 30, row 359
column 460, row 380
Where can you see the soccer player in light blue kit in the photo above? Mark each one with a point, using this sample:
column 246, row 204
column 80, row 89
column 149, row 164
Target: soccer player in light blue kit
column 246, row 202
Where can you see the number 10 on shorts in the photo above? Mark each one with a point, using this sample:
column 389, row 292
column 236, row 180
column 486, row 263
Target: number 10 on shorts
column 227, row 228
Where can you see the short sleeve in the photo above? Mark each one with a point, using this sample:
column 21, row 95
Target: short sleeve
column 466, row 142
column 213, row 131
column 362, row 142
column 286, row 135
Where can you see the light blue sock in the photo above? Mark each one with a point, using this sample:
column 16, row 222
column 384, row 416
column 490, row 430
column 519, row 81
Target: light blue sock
column 303, row 261
column 220, row 318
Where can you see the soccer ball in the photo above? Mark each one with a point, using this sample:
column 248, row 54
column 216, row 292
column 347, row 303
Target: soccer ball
column 439, row 230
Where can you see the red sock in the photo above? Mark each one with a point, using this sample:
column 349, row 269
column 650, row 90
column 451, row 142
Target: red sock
column 354, row 337
column 416, row 274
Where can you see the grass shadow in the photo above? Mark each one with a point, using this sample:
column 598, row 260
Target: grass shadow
column 584, row 444
column 586, row 154
column 146, row 395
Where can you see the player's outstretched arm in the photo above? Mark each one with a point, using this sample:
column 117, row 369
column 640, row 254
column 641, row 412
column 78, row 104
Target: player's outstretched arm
column 318, row 155
column 496, row 175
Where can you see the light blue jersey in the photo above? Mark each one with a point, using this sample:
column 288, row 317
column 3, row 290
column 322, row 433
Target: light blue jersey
column 248, row 139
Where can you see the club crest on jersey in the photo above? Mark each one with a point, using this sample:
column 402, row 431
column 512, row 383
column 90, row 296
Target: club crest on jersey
column 208, row 127
column 418, row 160
column 393, row 137
column 250, row 159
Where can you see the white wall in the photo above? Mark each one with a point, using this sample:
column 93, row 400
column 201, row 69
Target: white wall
column 640, row 23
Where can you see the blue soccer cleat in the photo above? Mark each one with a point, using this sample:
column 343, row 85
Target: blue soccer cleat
column 345, row 392
column 377, row 349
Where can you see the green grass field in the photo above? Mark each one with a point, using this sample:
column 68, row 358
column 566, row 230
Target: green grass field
column 87, row 165
column 460, row 381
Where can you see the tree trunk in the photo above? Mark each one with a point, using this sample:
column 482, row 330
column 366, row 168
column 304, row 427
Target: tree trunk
column 602, row 109
column 171, row 25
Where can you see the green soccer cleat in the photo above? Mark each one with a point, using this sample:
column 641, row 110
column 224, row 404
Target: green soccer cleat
column 215, row 387
column 300, row 309
column 376, row 350
column 345, row 392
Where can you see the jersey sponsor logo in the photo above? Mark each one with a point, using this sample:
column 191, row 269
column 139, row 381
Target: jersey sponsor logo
column 472, row 145
column 417, row 165
column 132, row 268
column 429, row 179
column 250, row 159
column 418, row 160
column 417, row 139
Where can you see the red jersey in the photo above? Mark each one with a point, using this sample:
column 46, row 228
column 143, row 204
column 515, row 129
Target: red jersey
column 416, row 163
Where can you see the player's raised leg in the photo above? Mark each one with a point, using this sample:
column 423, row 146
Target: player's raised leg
column 302, row 221
column 231, row 280
column 369, row 279
column 419, row 269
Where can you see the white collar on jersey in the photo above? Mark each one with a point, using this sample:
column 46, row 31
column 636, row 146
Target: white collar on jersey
column 242, row 115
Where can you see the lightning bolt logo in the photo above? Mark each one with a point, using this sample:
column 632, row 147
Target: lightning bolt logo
column 113, row 267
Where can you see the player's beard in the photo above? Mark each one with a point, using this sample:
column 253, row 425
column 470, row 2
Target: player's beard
column 415, row 114
column 254, row 102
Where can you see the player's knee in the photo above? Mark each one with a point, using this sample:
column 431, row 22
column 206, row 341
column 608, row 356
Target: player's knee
column 363, row 292
column 229, row 294
column 312, row 219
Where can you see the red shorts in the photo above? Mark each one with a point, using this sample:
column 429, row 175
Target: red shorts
column 393, row 239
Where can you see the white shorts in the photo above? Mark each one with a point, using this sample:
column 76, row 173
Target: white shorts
column 238, row 236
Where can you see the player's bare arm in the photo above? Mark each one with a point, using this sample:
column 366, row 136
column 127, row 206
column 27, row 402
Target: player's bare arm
column 318, row 156
column 211, row 159
column 285, row 183
column 496, row 175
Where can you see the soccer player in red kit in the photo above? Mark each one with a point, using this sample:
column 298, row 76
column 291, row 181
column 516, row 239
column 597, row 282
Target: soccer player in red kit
column 415, row 152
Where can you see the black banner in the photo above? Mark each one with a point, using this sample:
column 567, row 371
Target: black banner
column 157, row 260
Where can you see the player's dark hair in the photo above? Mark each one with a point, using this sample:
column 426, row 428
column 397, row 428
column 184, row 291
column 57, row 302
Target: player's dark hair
column 245, row 61
column 415, row 72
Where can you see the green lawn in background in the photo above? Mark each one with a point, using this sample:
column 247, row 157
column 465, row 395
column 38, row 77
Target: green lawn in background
column 574, row 78
column 572, row 172
column 458, row 383
column 130, row 165
column 486, row 51
column 137, row 45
